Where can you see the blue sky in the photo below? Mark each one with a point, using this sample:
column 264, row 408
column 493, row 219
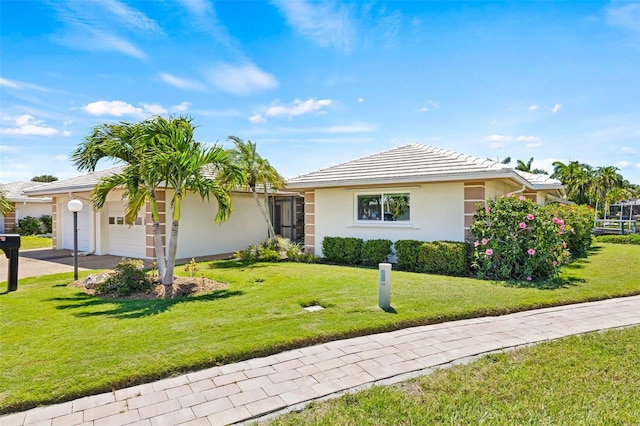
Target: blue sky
column 318, row 83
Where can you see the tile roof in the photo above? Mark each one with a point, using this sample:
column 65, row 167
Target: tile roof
column 416, row 163
column 84, row 182
column 15, row 191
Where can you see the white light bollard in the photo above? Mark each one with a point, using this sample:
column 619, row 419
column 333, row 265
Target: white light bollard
column 384, row 286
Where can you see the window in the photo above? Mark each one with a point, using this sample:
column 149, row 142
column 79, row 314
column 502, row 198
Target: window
column 383, row 207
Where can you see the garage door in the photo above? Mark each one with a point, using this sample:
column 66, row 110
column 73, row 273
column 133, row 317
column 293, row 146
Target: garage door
column 84, row 228
column 124, row 240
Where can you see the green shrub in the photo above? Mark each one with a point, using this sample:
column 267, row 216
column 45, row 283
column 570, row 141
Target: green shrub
column 375, row 251
column 29, row 225
column 444, row 258
column 275, row 250
column 342, row 250
column 620, row 239
column 407, row 252
column 578, row 224
column 47, row 223
column 129, row 278
column 515, row 239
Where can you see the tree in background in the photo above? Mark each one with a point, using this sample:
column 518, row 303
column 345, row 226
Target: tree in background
column 158, row 153
column 256, row 171
column 526, row 167
column 44, row 178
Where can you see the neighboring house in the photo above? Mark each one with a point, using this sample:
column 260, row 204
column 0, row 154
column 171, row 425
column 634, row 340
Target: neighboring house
column 23, row 205
column 411, row 192
column 104, row 232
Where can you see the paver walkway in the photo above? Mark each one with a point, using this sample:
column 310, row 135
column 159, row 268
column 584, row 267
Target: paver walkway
column 251, row 389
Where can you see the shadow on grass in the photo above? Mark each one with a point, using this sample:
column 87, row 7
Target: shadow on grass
column 553, row 284
column 233, row 264
column 130, row 309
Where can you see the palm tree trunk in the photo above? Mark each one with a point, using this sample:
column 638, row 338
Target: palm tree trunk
column 270, row 230
column 157, row 237
column 268, row 215
column 167, row 280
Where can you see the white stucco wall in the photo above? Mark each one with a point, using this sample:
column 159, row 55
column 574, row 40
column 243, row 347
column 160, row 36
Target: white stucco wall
column 199, row 236
column 32, row 209
column 437, row 213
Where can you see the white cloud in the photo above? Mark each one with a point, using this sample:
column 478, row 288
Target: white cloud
column 324, row 24
column 500, row 141
column 130, row 17
column 556, row 108
column 627, row 150
column 67, row 133
column 6, row 148
column 20, row 85
column 116, row 108
column 181, row 83
column 67, row 123
column 533, row 107
column 624, row 164
column 360, row 100
column 27, row 125
column 298, row 107
column 257, row 118
column 624, row 15
column 431, row 104
column 241, row 79
column 182, row 107
column 154, row 109
column 61, row 157
column 353, row 128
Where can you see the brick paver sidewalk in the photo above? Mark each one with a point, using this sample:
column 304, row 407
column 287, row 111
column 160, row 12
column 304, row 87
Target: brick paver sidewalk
column 257, row 387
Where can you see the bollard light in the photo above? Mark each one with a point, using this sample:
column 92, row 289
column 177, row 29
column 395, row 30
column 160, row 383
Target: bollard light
column 384, row 286
column 75, row 206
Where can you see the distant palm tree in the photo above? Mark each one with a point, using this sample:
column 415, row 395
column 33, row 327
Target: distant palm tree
column 5, row 205
column 158, row 153
column 257, row 171
column 577, row 179
column 526, row 167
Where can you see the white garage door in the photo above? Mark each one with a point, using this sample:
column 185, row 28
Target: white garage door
column 124, row 240
column 84, row 228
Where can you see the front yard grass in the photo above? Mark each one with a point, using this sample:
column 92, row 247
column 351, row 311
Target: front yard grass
column 29, row 242
column 581, row 380
column 58, row 343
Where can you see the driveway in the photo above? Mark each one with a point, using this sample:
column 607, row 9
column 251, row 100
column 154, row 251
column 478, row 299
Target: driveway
column 33, row 263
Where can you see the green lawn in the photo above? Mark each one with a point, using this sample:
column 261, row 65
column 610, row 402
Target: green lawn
column 59, row 343
column 592, row 379
column 28, row 242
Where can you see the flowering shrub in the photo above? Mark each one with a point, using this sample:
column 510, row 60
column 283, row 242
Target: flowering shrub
column 129, row 278
column 578, row 222
column 515, row 239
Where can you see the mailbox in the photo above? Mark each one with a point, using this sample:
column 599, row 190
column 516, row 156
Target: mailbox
column 10, row 244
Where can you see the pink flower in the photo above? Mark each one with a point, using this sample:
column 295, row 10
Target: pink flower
column 522, row 198
column 476, row 244
column 489, row 252
column 509, row 194
column 522, row 225
column 554, row 263
column 561, row 222
column 528, row 278
column 487, row 210
column 555, row 220
column 531, row 252
column 530, row 216
column 564, row 244
column 484, row 241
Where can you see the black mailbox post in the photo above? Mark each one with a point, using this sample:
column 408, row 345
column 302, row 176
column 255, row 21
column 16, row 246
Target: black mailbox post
column 10, row 244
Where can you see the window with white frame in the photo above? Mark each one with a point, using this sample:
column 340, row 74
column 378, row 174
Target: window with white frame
column 383, row 207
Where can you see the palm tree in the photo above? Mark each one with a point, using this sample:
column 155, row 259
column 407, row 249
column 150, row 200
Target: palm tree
column 158, row 153
column 257, row 171
column 5, row 205
column 526, row 167
column 577, row 178
column 605, row 180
